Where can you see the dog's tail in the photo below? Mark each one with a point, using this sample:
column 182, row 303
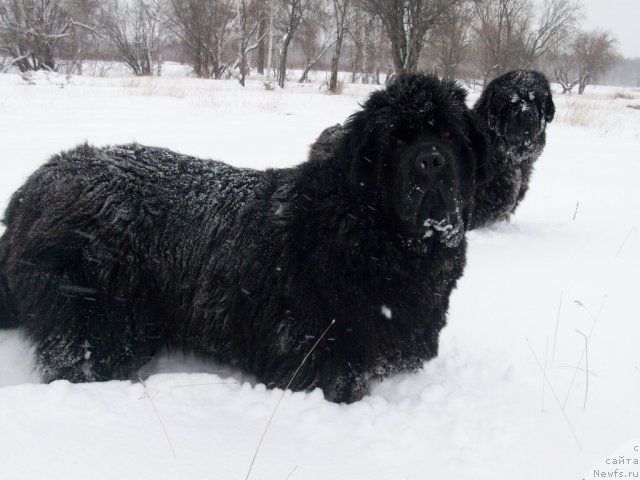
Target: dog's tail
column 6, row 319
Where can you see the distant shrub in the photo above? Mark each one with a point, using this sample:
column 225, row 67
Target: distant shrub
column 150, row 86
column 625, row 95
column 579, row 112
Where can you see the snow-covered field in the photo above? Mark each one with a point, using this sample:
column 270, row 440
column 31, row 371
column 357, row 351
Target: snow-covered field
column 569, row 262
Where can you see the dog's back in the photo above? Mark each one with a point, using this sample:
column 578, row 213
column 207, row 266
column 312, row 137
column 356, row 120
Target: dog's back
column 84, row 238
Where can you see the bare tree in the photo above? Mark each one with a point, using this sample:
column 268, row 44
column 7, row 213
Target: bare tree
column 203, row 26
column 594, row 51
column 501, row 29
column 555, row 21
column 291, row 13
column 516, row 33
column 270, row 29
column 408, row 24
column 564, row 67
column 248, row 21
column 241, row 21
column 314, row 36
column 33, row 32
column 376, row 51
column 82, row 39
column 340, row 13
column 580, row 59
column 262, row 8
column 453, row 38
column 134, row 30
column 368, row 38
column 357, row 30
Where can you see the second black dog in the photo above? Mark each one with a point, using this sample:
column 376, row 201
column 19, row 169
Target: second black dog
column 514, row 109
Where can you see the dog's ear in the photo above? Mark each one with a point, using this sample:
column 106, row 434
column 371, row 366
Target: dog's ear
column 457, row 92
column 362, row 150
column 479, row 148
column 549, row 108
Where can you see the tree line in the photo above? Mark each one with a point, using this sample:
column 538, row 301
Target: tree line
column 475, row 40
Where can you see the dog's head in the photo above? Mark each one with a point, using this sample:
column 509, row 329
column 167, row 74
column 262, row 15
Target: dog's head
column 415, row 152
column 517, row 106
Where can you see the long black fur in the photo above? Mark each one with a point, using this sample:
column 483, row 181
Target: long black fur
column 514, row 110
column 6, row 319
column 111, row 254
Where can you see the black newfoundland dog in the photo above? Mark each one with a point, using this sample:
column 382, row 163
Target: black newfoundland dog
column 514, row 109
column 111, row 254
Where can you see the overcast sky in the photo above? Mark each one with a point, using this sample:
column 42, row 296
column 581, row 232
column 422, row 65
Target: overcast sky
column 621, row 17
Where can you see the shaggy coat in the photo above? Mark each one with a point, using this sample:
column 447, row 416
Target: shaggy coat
column 111, row 254
column 514, row 109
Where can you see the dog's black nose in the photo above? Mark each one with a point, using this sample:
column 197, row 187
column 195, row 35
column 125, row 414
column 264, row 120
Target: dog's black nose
column 526, row 116
column 430, row 162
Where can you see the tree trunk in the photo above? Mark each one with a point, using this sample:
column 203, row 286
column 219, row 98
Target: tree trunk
column 584, row 81
column 305, row 73
column 335, row 61
column 282, row 61
column 364, row 78
column 242, row 15
column 333, row 79
column 270, row 50
column 262, row 28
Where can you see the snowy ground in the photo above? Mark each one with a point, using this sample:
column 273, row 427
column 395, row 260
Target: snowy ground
column 570, row 260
